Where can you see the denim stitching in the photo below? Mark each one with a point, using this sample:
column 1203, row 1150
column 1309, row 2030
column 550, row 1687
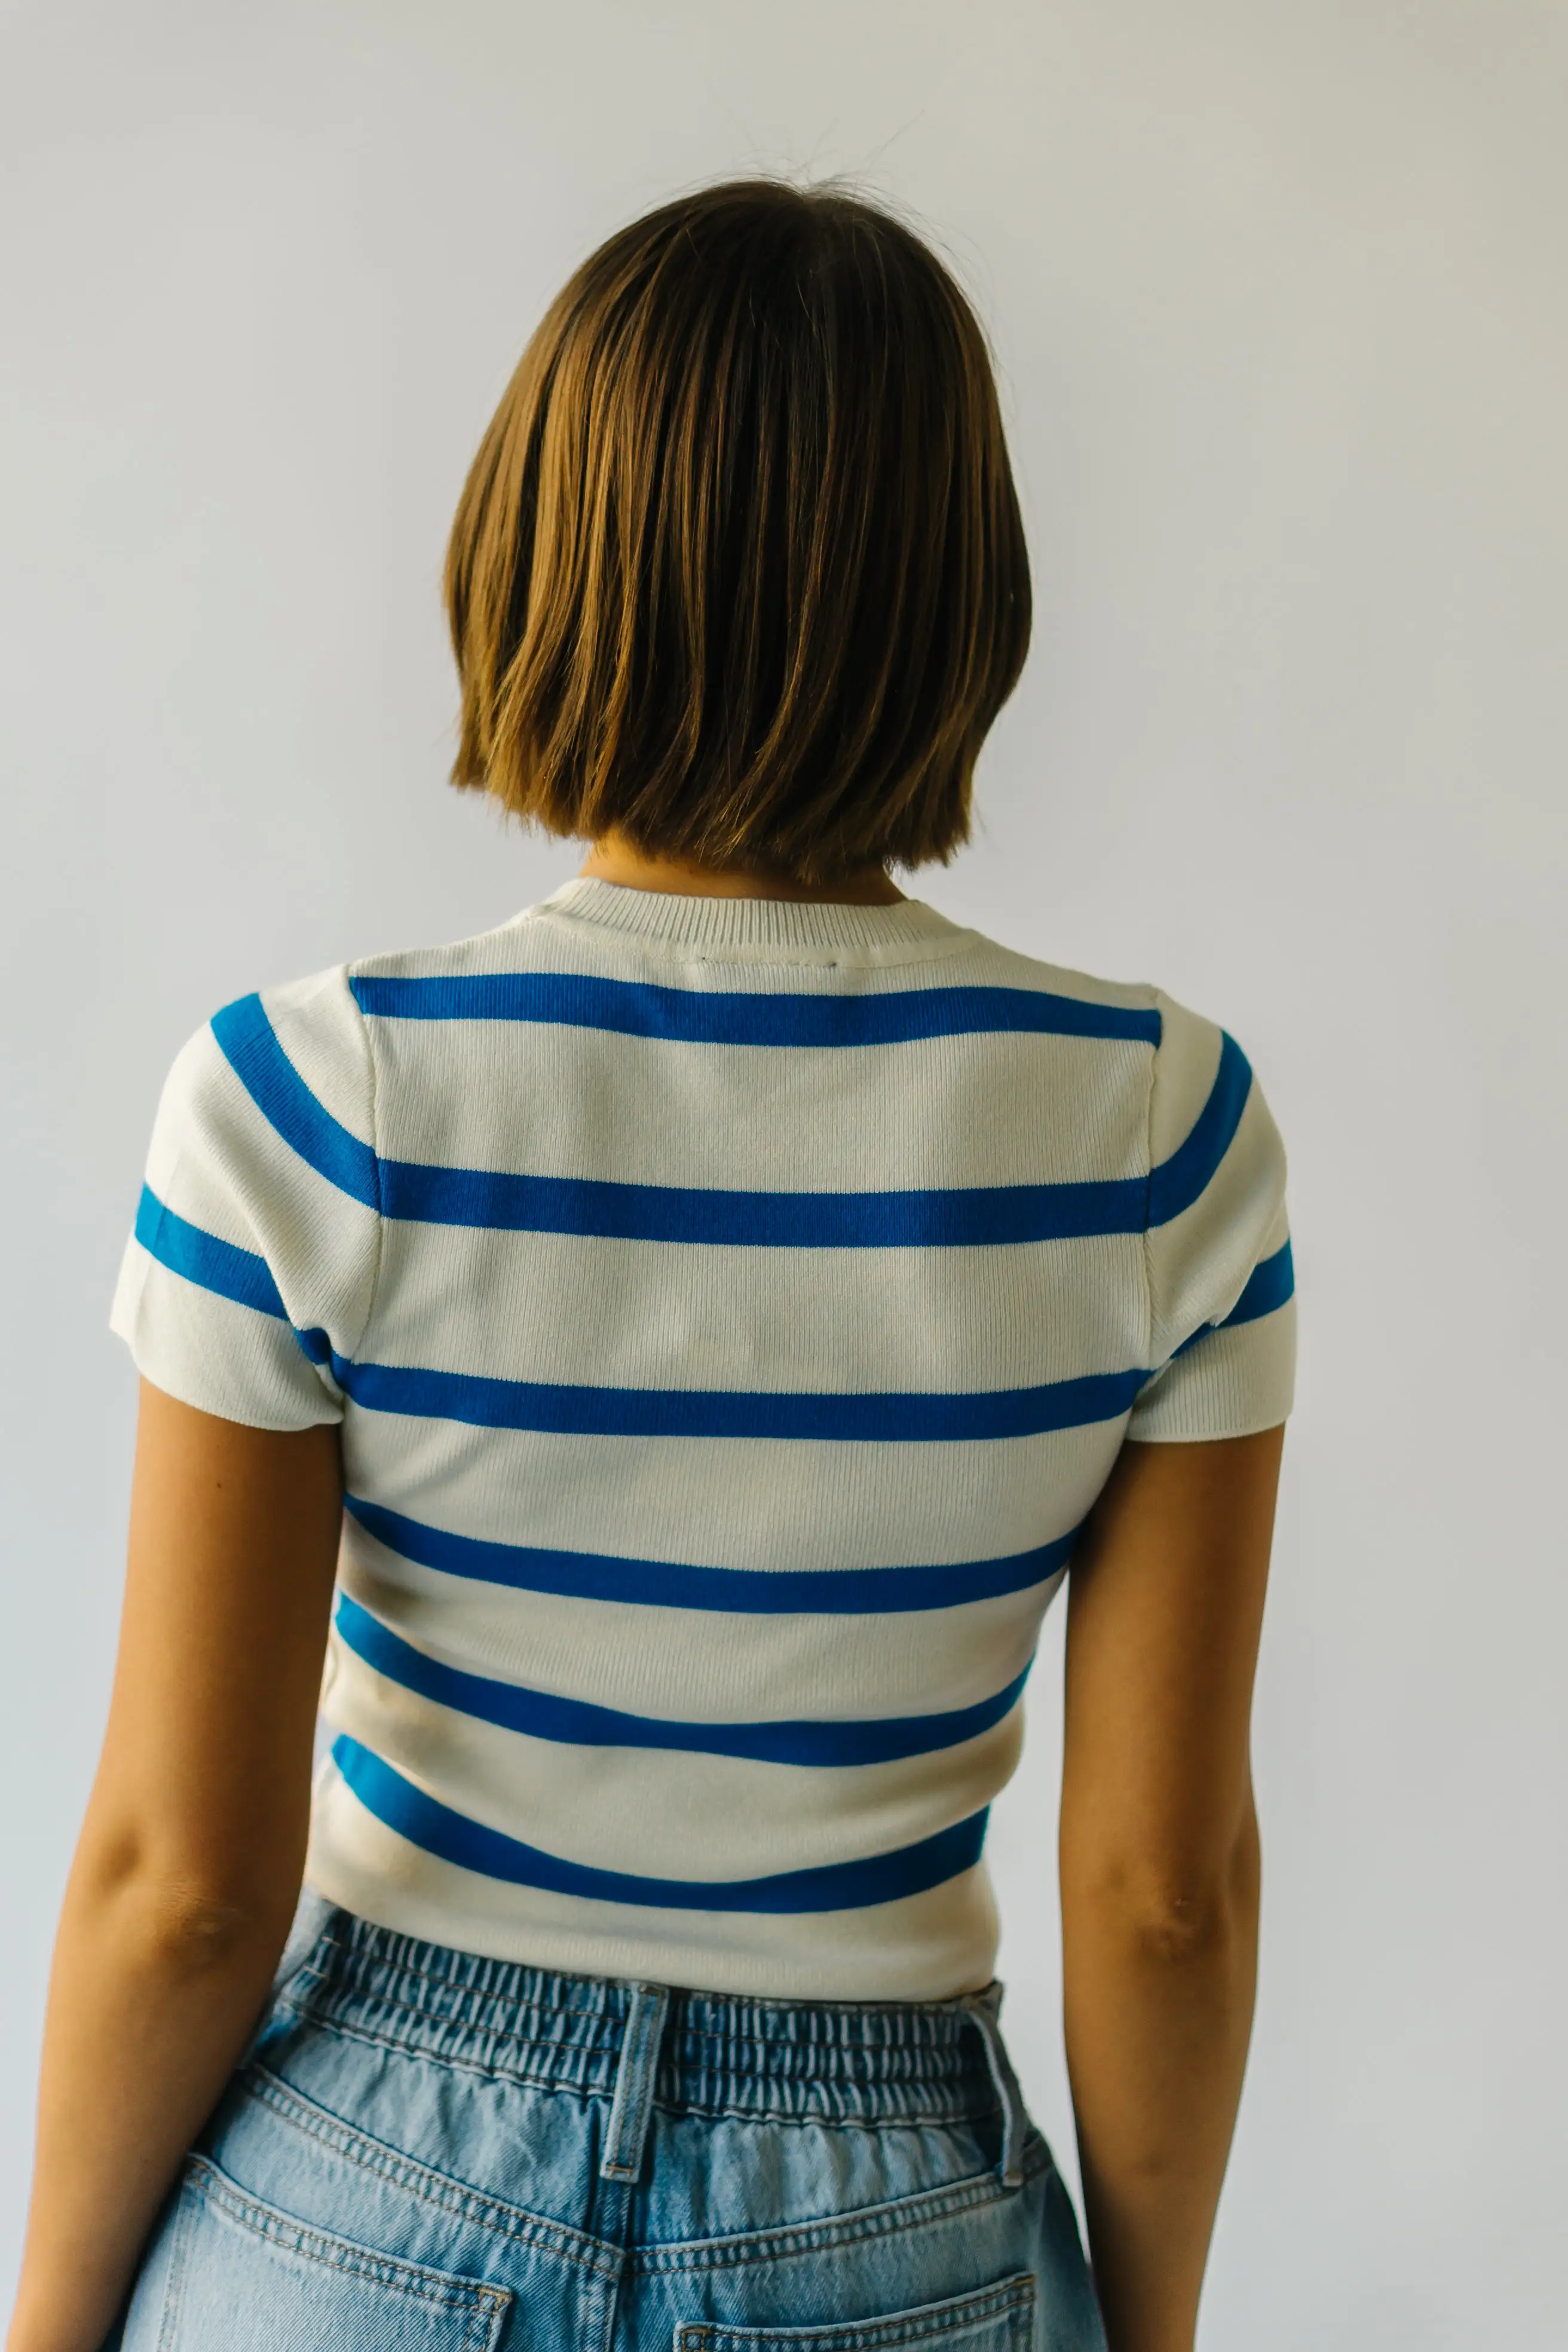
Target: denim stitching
column 548, row 2007
column 872, row 2223
column 690, row 2030
column 433, row 2016
column 913, row 2119
column 482, row 2302
column 1010, row 2302
column 915, row 2072
column 554, row 2237
column 496, row 2068
column 631, row 2108
column 421, row 2181
column 352, row 2030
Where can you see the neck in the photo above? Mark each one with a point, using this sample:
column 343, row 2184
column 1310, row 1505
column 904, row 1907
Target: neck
column 612, row 858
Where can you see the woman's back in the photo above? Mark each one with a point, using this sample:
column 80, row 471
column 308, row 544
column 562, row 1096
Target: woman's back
column 679, row 1338
column 734, row 1308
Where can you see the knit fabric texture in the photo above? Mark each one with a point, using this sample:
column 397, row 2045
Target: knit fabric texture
column 732, row 1308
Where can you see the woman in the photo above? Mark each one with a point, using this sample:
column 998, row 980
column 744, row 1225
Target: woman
column 692, row 1327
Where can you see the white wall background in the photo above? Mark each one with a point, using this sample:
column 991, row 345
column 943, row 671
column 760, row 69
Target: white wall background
column 1279, row 295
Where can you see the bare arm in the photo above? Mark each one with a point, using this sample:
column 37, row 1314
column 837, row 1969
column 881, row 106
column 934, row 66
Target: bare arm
column 1160, row 1861
column 189, row 1861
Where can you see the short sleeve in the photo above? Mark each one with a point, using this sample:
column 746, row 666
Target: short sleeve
column 1221, row 1282
column 251, row 1270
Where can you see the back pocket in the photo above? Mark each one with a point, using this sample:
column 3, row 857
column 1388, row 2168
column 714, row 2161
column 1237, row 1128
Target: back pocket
column 997, row 2319
column 244, row 2277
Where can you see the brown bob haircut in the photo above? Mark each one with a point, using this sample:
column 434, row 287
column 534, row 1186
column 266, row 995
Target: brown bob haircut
column 739, row 571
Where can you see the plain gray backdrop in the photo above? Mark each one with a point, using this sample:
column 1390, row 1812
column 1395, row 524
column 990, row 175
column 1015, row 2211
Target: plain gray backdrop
column 1277, row 292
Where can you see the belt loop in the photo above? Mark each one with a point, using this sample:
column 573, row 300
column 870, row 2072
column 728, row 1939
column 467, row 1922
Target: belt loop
column 635, row 2076
column 985, row 2008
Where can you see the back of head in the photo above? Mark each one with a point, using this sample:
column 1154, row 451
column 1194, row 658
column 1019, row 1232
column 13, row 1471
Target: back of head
column 739, row 571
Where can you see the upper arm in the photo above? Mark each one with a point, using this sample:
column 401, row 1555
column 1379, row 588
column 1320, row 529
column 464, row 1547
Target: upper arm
column 206, row 1771
column 1166, row 1591
column 1165, row 1605
column 251, row 1272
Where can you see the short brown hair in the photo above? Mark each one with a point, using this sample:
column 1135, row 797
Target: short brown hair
column 739, row 571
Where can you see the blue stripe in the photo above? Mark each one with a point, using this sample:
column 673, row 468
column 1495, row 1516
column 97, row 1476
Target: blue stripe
column 721, row 1017
column 837, row 1886
column 250, row 1045
column 200, row 1257
column 580, row 1411
column 887, row 1418
column 541, row 1715
column 672, row 1584
column 1270, row 1285
column 1178, row 1181
column 974, row 1216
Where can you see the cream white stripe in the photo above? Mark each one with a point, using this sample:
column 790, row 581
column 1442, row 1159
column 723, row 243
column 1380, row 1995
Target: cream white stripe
column 733, row 1501
column 707, row 1666
column 627, row 1314
column 534, row 1099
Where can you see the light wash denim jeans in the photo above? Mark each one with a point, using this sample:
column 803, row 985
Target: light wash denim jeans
column 425, row 2151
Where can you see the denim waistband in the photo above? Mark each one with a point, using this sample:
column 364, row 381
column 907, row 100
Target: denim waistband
column 717, row 2053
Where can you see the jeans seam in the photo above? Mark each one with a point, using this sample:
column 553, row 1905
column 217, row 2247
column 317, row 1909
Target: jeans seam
column 758, row 2041
column 913, row 2118
column 422, row 2181
column 327, row 2014
column 440, row 2289
column 1013, row 2297
column 877, row 2221
column 353, row 2031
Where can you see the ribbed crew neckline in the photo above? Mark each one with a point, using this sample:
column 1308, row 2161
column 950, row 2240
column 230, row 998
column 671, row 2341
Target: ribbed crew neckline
column 804, row 926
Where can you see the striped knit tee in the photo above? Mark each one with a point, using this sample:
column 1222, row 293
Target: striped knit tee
column 732, row 1308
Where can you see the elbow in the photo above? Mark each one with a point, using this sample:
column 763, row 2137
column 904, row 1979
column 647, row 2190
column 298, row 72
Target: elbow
column 1183, row 1924
column 190, row 1931
column 1172, row 1913
column 181, row 1923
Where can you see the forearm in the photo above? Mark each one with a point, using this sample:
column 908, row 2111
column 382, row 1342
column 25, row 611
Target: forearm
column 1157, row 2016
column 153, row 1993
